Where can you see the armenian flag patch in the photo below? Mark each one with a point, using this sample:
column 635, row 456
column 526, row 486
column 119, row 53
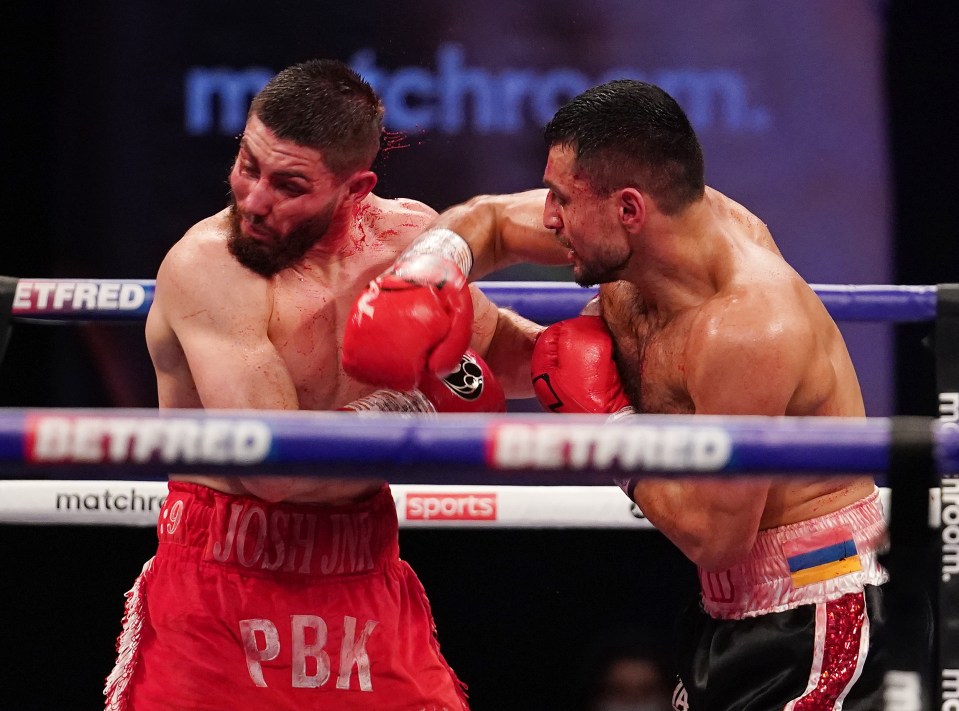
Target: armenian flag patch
column 821, row 556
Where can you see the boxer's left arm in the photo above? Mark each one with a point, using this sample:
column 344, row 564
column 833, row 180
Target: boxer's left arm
column 413, row 319
column 505, row 339
column 573, row 369
column 472, row 387
column 741, row 367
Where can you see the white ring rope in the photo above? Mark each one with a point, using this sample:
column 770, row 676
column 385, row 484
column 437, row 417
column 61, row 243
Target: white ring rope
column 137, row 504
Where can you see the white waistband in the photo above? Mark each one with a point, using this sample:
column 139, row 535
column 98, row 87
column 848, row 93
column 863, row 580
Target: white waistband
column 763, row 582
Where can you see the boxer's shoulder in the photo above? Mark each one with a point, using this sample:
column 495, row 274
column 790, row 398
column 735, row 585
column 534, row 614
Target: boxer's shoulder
column 747, row 320
column 199, row 270
column 206, row 241
column 395, row 215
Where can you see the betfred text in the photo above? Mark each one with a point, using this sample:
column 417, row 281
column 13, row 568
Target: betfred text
column 627, row 447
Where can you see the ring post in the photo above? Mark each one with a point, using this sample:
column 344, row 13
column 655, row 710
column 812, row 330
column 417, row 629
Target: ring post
column 946, row 346
column 8, row 288
column 911, row 560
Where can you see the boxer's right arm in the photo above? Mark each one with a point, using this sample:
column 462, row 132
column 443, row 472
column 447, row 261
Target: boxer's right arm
column 415, row 318
column 218, row 315
column 502, row 230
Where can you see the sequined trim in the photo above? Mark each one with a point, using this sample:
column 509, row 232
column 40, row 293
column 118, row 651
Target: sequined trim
column 842, row 643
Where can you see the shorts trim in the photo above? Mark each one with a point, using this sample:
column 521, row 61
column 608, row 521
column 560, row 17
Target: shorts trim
column 128, row 646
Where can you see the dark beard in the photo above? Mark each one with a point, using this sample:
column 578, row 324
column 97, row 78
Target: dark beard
column 591, row 275
column 267, row 257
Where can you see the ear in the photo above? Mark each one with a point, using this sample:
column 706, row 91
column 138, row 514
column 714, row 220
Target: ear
column 632, row 209
column 360, row 184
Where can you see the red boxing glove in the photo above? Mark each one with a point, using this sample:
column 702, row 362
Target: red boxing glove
column 573, row 368
column 414, row 320
column 472, row 387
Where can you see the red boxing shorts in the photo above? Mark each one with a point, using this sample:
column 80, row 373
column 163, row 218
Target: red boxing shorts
column 251, row 605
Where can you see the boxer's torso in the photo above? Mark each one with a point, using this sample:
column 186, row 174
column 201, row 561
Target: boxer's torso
column 310, row 304
column 654, row 354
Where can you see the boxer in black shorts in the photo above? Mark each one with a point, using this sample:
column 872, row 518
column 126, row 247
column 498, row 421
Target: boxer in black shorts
column 699, row 314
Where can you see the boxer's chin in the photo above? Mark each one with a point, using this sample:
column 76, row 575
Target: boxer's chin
column 599, row 272
column 267, row 257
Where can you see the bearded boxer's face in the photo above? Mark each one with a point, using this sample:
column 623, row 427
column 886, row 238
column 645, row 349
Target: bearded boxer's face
column 282, row 201
column 583, row 222
column 266, row 252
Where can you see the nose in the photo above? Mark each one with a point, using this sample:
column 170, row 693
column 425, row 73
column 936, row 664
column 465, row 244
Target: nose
column 551, row 217
column 257, row 200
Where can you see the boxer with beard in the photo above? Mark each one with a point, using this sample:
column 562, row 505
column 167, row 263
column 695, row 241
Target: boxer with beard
column 288, row 592
column 269, row 255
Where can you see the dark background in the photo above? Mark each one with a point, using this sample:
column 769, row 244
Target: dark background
column 519, row 612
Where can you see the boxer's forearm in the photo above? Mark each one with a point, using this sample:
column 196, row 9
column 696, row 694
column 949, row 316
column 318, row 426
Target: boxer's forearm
column 502, row 230
column 713, row 522
column 510, row 350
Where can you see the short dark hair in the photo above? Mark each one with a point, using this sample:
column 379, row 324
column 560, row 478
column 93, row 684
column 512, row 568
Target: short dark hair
column 323, row 104
column 628, row 133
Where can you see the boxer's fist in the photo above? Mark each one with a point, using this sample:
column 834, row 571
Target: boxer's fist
column 573, row 368
column 411, row 321
column 472, row 387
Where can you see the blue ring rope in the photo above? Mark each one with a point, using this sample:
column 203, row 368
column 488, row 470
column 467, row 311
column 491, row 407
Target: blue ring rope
column 540, row 301
column 513, row 448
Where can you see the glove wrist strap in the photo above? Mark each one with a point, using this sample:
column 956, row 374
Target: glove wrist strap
column 444, row 243
column 626, row 484
column 392, row 401
column 621, row 413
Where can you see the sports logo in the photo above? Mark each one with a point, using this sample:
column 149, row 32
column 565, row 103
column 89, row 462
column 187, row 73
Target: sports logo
column 451, row 507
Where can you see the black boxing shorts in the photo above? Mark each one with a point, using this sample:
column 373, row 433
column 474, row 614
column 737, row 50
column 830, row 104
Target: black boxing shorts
column 798, row 625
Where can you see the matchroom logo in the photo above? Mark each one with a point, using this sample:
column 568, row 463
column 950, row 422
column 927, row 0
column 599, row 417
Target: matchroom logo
column 454, row 96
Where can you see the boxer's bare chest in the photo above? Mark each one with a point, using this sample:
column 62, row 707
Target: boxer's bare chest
column 651, row 357
column 311, row 303
column 306, row 327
